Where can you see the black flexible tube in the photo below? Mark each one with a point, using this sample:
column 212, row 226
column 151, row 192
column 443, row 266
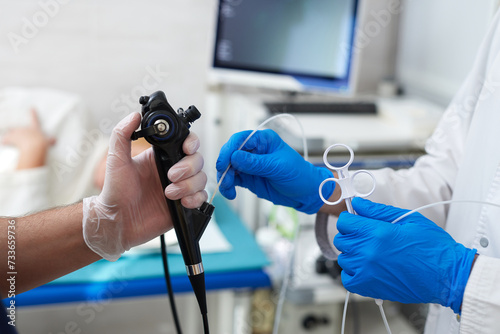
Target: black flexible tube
column 205, row 323
column 169, row 284
column 199, row 278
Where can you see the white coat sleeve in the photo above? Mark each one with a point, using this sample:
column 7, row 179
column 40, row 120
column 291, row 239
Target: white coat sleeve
column 481, row 303
column 432, row 177
column 24, row 191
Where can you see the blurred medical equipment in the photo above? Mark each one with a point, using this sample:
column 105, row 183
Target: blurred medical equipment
column 166, row 130
column 320, row 47
column 265, row 38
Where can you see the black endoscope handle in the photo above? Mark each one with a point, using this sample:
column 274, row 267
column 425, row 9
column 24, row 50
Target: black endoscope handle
column 166, row 131
column 164, row 161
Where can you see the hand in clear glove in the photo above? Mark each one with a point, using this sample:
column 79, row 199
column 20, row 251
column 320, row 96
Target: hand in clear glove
column 411, row 261
column 131, row 209
column 272, row 170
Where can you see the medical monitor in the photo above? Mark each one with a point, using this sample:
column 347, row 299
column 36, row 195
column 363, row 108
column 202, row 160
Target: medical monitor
column 295, row 45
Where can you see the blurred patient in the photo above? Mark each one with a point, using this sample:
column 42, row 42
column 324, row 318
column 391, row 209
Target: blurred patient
column 51, row 153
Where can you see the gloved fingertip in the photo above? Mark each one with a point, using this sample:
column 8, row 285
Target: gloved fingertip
column 128, row 124
column 239, row 158
column 358, row 201
column 344, row 213
column 379, row 211
column 120, row 142
column 172, row 192
column 225, row 153
column 191, row 144
column 337, row 241
column 134, row 118
column 343, row 217
column 221, row 165
column 229, row 193
column 346, row 280
column 340, row 260
column 348, row 223
column 249, row 163
column 364, row 206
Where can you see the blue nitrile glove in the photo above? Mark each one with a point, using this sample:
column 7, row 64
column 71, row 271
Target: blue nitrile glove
column 271, row 169
column 411, row 261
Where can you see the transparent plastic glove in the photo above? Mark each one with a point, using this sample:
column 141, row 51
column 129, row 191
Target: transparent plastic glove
column 411, row 261
column 272, row 170
column 131, row 208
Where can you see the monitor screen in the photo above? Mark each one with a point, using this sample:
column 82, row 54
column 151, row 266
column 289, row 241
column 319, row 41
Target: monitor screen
column 308, row 40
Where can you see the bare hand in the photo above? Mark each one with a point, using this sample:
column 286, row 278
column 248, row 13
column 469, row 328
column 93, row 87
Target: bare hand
column 32, row 143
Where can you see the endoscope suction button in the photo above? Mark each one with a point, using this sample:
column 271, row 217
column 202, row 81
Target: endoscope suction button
column 143, row 100
column 192, row 114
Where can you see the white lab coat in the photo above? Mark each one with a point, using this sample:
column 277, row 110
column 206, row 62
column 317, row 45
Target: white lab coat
column 462, row 162
column 68, row 174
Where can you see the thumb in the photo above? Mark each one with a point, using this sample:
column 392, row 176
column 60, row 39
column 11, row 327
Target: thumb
column 120, row 143
column 377, row 211
column 232, row 145
column 348, row 223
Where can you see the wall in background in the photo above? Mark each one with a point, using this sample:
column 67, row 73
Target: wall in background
column 109, row 52
column 438, row 42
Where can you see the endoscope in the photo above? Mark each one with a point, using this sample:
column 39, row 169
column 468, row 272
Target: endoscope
column 166, row 130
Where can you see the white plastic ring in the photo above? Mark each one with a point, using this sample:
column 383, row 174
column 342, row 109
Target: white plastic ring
column 325, row 157
column 373, row 182
column 332, row 179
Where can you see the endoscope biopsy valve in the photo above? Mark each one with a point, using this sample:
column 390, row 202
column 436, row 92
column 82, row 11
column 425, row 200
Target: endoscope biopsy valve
column 166, row 131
